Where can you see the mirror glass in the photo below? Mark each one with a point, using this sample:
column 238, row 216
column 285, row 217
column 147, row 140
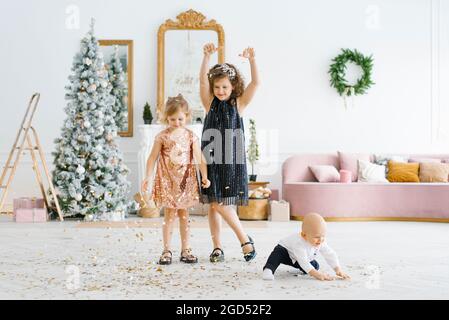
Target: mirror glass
column 183, row 57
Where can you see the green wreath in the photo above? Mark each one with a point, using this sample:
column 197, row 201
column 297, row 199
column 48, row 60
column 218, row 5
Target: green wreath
column 337, row 72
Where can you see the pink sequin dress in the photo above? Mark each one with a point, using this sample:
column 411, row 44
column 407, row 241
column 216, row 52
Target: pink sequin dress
column 176, row 183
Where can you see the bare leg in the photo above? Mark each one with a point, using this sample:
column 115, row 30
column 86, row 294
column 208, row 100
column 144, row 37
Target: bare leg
column 230, row 216
column 167, row 227
column 215, row 226
column 184, row 228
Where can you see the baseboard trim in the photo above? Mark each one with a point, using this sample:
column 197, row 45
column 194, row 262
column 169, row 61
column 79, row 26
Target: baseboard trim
column 360, row 219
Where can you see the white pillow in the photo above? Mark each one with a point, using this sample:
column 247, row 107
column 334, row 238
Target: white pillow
column 370, row 172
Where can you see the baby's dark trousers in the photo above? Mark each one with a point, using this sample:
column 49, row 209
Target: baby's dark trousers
column 280, row 255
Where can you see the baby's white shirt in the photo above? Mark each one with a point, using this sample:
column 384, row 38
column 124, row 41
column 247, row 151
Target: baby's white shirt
column 303, row 252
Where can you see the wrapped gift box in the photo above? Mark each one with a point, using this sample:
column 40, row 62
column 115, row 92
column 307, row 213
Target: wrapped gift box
column 28, row 203
column 30, row 215
column 279, row 211
column 29, row 210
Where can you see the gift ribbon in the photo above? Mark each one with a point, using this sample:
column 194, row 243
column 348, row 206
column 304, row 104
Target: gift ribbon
column 347, row 90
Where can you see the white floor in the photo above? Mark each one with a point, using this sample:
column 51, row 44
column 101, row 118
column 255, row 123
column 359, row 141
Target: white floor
column 70, row 260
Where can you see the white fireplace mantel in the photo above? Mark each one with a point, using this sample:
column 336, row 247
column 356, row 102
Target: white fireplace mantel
column 147, row 134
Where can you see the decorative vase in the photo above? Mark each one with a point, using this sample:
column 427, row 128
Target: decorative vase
column 146, row 121
column 345, row 176
column 253, row 177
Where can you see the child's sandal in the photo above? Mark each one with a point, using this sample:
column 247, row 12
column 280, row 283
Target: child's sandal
column 217, row 255
column 166, row 257
column 252, row 254
column 188, row 257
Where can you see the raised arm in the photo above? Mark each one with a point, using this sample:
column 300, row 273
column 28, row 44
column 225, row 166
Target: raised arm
column 151, row 161
column 251, row 89
column 205, row 94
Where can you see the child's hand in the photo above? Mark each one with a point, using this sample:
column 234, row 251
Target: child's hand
column 248, row 53
column 144, row 187
column 209, row 49
column 323, row 276
column 205, row 183
column 341, row 275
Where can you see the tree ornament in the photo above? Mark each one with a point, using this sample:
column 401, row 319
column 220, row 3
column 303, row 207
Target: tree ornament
column 80, row 170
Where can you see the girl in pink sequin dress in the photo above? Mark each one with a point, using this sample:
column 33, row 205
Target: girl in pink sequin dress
column 176, row 151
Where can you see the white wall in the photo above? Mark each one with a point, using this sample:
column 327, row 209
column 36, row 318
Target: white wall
column 406, row 111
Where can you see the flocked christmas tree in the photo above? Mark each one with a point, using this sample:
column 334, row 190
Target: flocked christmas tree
column 117, row 78
column 89, row 173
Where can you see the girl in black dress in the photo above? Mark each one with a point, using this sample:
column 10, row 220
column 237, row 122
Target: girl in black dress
column 224, row 97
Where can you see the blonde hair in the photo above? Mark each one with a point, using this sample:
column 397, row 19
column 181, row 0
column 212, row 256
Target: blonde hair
column 174, row 105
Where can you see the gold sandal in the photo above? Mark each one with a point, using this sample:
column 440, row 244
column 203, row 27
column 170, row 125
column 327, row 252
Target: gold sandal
column 165, row 258
column 187, row 256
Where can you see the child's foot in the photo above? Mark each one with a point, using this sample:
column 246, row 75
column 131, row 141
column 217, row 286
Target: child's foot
column 166, row 257
column 188, row 257
column 249, row 255
column 268, row 274
column 217, row 255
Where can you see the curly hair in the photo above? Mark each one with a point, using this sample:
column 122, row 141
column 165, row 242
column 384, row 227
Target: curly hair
column 175, row 104
column 227, row 70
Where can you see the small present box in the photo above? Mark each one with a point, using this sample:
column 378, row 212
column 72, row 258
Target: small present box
column 279, row 211
column 29, row 210
column 30, row 215
column 28, row 203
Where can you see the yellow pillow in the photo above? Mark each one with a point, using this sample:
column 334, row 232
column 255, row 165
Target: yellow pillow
column 403, row 172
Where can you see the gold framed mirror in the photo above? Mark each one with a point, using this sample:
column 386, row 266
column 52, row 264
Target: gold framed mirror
column 123, row 50
column 180, row 52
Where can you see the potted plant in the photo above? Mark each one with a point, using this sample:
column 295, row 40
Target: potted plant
column 147, row 115
column 253, row 150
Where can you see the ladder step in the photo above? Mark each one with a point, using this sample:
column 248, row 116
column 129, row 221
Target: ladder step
column 28, row 148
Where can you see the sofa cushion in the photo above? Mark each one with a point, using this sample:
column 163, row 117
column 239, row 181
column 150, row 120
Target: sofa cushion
column 403, row 172
column 325, row 173
column 382, row 159
column 348, row 161
column 433, row 172
column 370, row 172
column 422, row 160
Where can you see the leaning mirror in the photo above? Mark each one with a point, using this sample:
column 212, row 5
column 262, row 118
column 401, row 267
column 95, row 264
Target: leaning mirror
column 180, row 52
column 118, row 59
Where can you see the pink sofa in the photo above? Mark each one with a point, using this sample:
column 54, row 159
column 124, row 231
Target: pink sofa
column 359, row 200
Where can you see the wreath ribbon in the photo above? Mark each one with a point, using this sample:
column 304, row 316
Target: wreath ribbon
column 347, row 90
